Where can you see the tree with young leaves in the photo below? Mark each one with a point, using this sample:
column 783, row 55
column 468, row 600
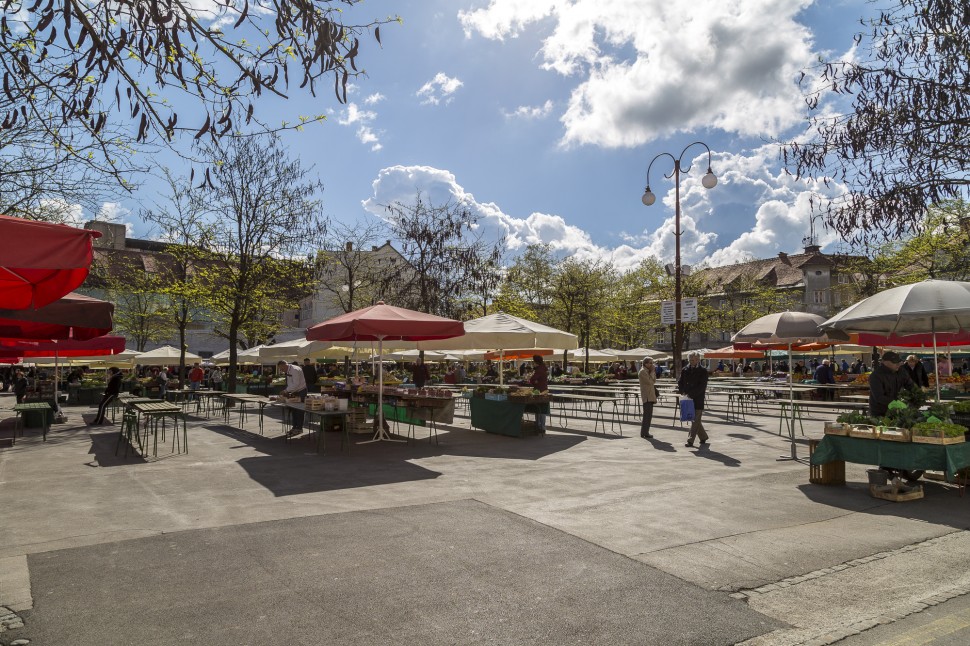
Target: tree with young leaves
column 264, row 219
column 444, row 248
column 181, row 223
column 580, row 296
column 903, row 142
column 527, row 288
column 142, row 310
column 72, row 68
column 633, row 314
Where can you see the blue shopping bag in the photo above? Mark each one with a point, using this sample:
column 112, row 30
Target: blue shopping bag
column 687, row 410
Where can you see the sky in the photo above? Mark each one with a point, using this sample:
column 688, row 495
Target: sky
column 542, row 116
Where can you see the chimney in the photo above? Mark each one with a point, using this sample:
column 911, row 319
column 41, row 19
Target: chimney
column 112, row 234
column 373, row 247
column 784, row 258
column 349, row 246
column 388, row 243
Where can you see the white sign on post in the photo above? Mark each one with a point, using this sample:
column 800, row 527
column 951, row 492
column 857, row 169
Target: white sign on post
column 668, row 312
column 688, row 310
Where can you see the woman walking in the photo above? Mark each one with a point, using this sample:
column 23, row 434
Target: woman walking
column 648, row 395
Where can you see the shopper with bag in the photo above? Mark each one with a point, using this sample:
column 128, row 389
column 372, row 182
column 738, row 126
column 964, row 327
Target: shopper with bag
column 648, row 395
column 693, row 384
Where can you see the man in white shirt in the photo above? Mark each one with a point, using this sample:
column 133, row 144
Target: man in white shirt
column 295, row 387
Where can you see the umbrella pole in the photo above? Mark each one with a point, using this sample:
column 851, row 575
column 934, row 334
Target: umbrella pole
column 791, row 410
column 501, row 367
column 381, row 434
column 936, row 360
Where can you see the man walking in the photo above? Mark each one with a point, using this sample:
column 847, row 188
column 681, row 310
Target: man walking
column 693, row 383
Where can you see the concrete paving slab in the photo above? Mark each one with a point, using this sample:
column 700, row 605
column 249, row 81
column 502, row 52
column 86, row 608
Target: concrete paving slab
column 458, row 572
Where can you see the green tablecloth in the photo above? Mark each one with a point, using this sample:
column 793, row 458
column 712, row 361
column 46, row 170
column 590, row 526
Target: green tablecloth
column 911, row 456
column 502, row 417
column 395, row 413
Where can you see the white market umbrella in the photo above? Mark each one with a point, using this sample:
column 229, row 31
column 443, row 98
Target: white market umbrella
column 785, row 328
column 637, row 354
column 501, row 331
column 930, row 306
column 164, row 356
column 595, row 356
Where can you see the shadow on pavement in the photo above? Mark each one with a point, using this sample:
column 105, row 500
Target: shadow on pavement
column 941, row 504
column 708, row 454
column 294, row 467
column 104, row 445
column 661, row 445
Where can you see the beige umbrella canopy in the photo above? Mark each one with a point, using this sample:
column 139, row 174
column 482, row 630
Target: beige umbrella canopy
column 164, row 356
column 595, row 356
column 638, row 354
column 500, row 331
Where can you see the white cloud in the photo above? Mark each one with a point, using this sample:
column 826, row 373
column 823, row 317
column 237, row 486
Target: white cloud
column 353, row 115
column 440, row 88
column 530, row 111
column 648, row 69
column 374, row 98
column 753, row 212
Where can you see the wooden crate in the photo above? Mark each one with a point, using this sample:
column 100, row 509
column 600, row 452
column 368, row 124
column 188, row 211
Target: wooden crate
column 831, row 473
column 923, row 439
column 836, row 428
column 357, row 420
column 864, row 432
column 896, row 435
column 888, row 492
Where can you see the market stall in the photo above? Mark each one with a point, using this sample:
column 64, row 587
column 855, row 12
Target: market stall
column 502, row 411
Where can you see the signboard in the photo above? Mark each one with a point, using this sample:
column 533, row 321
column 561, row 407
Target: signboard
column 688, row 310
column 668, row 312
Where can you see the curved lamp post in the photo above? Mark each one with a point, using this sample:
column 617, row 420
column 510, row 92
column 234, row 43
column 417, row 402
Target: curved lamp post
column 709, row 181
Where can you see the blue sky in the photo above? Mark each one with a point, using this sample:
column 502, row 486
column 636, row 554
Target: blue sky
column 542, row 116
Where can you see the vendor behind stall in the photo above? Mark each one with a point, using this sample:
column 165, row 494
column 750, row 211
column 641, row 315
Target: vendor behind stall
column 885, row 383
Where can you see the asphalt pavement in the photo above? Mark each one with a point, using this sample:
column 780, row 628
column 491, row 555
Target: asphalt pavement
column 572, row 537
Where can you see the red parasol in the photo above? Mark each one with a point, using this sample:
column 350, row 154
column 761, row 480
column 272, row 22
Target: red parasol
column 102, row 345
column 384, row 322
column 40, row 261
column 72, row 317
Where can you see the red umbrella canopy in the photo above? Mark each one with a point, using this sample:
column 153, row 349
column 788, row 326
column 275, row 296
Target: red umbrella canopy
column 41, row 262
column 72, row 317
column 385, row 322
column 102, row 345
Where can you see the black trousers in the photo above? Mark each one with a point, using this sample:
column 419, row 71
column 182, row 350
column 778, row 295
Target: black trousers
column 103, row 408
column 299, row 415
column 647, row 418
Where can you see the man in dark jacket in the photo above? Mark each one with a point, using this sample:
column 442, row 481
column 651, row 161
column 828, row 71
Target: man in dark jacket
column 825, row 375
column 693, row 384
column 419, row 373
column 885, row 382
column 310, row 376
column 916, row 372
column 20, row 386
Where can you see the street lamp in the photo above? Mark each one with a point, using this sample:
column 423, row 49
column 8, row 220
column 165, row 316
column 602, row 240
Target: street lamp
column 708, row 181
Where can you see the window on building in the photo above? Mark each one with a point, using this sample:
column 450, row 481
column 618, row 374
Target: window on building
column 844, row 279
column 661, row 337
column 819, row 296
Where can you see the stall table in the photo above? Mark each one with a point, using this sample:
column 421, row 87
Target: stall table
column 911, row 456
column 503, row 417
column 26, row 410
